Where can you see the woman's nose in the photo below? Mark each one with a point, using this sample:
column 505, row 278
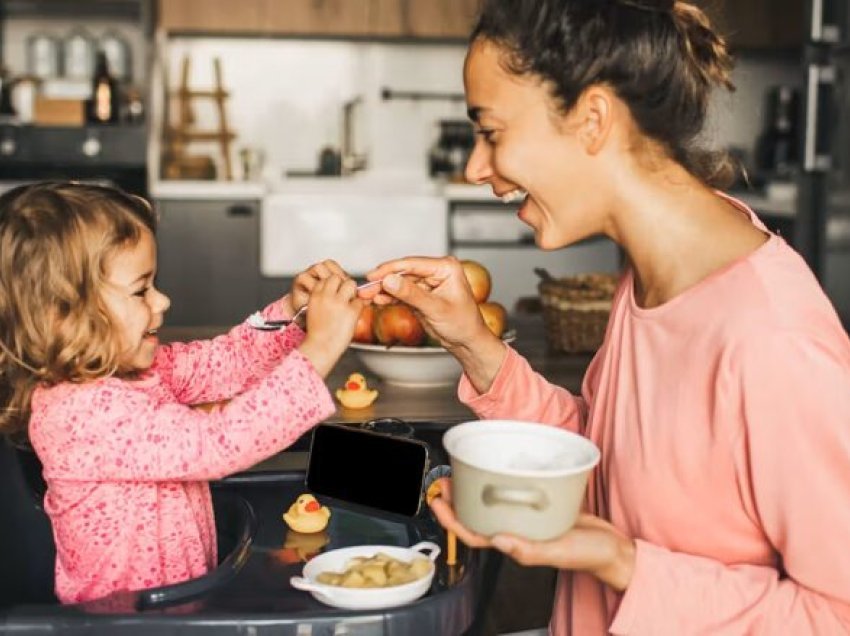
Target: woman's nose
column 478, row 168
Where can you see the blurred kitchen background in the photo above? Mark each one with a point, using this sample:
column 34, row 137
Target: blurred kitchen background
column 273, row 133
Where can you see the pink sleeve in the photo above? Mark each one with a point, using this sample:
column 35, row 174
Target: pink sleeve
column 793, row 459
column 115, row 432
column 217, row 369
column 520, row 393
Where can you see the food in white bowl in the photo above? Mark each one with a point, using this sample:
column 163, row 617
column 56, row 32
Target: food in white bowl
column 345, row 560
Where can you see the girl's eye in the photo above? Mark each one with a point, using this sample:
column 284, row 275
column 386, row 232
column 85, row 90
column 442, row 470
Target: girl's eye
column 142, row 292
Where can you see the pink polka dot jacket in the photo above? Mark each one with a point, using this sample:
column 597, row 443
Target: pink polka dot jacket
column 127, row 461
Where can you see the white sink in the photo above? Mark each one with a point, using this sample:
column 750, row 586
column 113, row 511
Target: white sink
column 358, row 183
column 357, row 223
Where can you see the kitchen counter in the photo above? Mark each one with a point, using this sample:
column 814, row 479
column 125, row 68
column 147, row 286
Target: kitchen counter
column 439, row 404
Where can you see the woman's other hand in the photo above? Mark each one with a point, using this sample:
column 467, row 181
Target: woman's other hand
column 592, row 545
column 304, row 283
column 438, row 291
column 331, row 317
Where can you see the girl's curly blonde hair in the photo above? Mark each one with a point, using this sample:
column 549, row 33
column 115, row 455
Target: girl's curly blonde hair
column 56, row 241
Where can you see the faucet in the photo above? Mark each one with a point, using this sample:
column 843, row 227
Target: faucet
column 351, row 161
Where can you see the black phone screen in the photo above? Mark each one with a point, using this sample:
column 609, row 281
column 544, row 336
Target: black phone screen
column 369, row 469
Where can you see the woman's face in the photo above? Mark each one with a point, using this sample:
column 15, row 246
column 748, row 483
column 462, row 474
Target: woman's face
column 136, row 306
column 528, row 151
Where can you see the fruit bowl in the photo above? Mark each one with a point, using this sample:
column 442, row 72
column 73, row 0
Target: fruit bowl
column 420, row 367
column 409, row 366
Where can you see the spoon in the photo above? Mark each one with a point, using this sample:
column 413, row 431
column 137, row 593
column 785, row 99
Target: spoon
column 257, row 321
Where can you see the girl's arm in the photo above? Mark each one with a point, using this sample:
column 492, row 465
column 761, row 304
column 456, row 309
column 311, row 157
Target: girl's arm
column 217, row 369
column 112, row 431
column 793, row 457
column 520, row 393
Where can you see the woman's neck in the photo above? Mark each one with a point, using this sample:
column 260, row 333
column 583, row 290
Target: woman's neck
column 676, row 231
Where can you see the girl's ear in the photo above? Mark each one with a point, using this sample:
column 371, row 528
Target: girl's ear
column 596, row 106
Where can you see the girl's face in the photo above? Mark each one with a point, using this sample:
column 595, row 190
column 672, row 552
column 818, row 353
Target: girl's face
column 135, row 304
column 527, row 151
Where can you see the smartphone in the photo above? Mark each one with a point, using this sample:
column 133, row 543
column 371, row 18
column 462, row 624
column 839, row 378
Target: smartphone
column 376, row 470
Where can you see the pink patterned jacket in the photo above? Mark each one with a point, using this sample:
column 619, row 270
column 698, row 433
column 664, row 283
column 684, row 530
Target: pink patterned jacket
column 127, row 462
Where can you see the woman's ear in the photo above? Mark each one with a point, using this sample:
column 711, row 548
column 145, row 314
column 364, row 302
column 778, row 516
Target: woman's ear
column 596, row 106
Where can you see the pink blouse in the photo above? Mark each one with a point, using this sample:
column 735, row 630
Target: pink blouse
column 127, row 462
column 723, row 418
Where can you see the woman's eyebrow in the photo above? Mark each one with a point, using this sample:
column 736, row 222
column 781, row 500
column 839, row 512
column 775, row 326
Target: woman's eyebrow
column 474, row 113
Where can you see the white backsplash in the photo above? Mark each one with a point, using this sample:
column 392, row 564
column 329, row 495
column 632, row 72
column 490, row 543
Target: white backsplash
column 287, row 97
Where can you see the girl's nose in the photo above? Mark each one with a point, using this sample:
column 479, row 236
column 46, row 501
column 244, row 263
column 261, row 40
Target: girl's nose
column 161, row 302
column 478, row 168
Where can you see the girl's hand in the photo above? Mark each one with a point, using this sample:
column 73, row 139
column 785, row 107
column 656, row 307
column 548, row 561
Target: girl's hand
column 305, row 282
column 592, row 545
column 438, row 291
column 333, row 309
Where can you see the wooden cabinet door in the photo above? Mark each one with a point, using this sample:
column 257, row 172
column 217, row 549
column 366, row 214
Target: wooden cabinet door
column 326, row 17
column 758, row 24
column 439, row 18
column 213, row 16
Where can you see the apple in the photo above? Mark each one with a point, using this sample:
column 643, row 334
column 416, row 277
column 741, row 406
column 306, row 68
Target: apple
column 478, row 278
column 397, row 324
column 495, row 317
column 363, row 330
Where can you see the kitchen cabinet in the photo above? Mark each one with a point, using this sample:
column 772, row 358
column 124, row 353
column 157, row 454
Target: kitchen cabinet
column 437, row 19
column 209, row 260
column 758, row 24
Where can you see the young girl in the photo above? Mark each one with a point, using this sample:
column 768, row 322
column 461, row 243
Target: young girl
column 126, row 460
column 720, row 398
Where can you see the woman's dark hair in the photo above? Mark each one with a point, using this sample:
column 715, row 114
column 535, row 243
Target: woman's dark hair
column 661, row 57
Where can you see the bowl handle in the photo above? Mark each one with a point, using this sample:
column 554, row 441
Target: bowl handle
column 300, row 583
column 531, row 497
column 431, row 549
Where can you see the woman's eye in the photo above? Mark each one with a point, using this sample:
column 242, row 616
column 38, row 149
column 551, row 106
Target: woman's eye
column 142, row 292
column 486, row 134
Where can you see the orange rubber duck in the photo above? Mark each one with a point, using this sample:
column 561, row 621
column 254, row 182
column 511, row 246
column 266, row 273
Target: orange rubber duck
column 356, row 395
column 307, row 515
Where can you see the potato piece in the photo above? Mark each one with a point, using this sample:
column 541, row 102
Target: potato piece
column 329, row 578
column 420, row 567
column 375, row 572
column 353, row 579
column 401, row 577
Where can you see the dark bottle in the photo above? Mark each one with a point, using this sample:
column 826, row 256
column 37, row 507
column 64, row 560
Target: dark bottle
column 104, row 104
column 777, row 153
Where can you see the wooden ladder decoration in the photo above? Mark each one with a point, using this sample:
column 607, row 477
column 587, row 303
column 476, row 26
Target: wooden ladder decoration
column 183, row 133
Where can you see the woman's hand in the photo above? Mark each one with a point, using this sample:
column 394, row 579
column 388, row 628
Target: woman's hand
column 591, row 545
column 332, row 315
column 305, row 282
column 438, row 291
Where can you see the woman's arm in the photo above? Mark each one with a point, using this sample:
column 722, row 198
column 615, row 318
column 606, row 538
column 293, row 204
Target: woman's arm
column 518, row 392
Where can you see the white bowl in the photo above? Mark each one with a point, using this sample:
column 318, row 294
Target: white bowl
column 523, row 478
column 409, row 366
column 371, row 597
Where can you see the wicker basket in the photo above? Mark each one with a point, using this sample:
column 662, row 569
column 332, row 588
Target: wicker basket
column 576, row 309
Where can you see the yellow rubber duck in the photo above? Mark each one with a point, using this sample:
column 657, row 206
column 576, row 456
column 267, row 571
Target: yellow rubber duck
column 356, row 395
column 306, row 515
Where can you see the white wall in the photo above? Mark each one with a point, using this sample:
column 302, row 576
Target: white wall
column 287, row 96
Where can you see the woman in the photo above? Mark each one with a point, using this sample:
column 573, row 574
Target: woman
column 720, row 398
